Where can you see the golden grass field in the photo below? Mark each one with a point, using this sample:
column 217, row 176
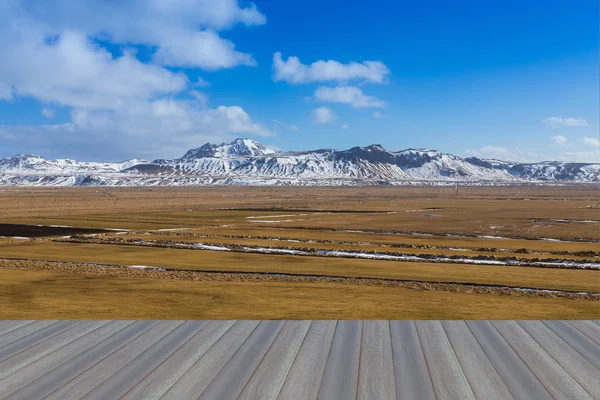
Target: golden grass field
column 529, row 224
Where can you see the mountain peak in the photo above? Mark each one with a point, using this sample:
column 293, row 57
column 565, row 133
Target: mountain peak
column 241, row 147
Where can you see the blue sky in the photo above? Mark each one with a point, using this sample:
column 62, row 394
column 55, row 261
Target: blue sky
column 118, row 79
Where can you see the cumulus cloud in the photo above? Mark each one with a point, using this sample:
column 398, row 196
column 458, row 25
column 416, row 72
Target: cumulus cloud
column 53, row 50
column 497, row 152
column 557, row 122
column 322, row 115
column 48, row 112
column 84, row 55
column 169, row 26
column 349, row 95
column 204, row 49
column 591, row 142
column 201, row 82
column 6, row 92
column 580, row 156
column 560, row 140
column 377, row 114
column 293, row 71
column 160, row 128
column 72, row 71
column 282, row 124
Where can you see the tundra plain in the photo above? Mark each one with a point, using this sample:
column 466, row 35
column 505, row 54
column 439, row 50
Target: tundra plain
column 426, row 252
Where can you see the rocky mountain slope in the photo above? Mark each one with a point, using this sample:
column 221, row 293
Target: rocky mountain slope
column 245, row 161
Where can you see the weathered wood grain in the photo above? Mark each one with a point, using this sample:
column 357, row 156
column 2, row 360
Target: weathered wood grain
column 268, row 378
column 195, row 380
column 410, row 369
column 554, row 378
column 306, row 360
column 447, row 376
column 340, row 377
column 230, row 381
column 88, row 379
column 517, row 377
column 574, row 363
column 375, row 380
column 156, row 383
column 302, row 382
column 580, row 342
column 481, row 374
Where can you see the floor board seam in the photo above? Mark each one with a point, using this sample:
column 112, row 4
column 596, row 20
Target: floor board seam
column 523, row 361
column 99, row 361
column 425, row 358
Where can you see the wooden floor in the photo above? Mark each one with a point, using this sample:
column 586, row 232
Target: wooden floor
column 300, row 360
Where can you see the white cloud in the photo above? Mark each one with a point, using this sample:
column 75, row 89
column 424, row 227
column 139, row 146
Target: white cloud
column 322, row 115
column 293, row 71
column 349, row 95
column 202, row 83
column 161, row 128
column 377, row 114
column 6, row 92
column 557, row 122
column 58, row 52
column 72, row 71
column 580, row 156
column 201, row 97
column 560, row 140
column 289, row 127
column 345, row 126
column 204, row 49
column 169, row 26
column 592, row 142
column 53, row 51
column 48, row 112
column 497, row 152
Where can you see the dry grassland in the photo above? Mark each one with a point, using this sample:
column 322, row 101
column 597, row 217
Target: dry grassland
column 525, row 222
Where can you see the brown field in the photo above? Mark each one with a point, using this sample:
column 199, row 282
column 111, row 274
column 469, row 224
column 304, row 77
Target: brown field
column 528, row 223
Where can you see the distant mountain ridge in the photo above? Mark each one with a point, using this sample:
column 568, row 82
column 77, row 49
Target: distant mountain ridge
column 247, row 162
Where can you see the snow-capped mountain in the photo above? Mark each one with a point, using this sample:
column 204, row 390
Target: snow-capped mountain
column 28, row 163
column 245, row 161
column 237, row 148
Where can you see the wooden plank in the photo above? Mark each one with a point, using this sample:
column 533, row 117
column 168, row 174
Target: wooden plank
column 340, row 377
column 410, row 369
column 230, row 381
column 23, row 331
column 198, row 376
column 375, row 373
column 34, row 338
column 9, row 326
column 268, row 378
column 555, row 379
column 65, row 359
column 302, row 382
column 87, row 379
column 517, row 377
column 155, row 384
column 125, row 378
column 570, row 360
column 43, row 348
column 583, row 344
column 447, row 376
column 481, row 374
column 589, row 329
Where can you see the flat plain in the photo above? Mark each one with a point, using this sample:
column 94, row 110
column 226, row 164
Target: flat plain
column 515, row 252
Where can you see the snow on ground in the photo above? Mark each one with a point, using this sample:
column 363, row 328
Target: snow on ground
column 274, row 250
column 208, row 247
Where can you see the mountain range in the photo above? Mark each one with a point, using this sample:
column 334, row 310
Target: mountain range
column 247, row 162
